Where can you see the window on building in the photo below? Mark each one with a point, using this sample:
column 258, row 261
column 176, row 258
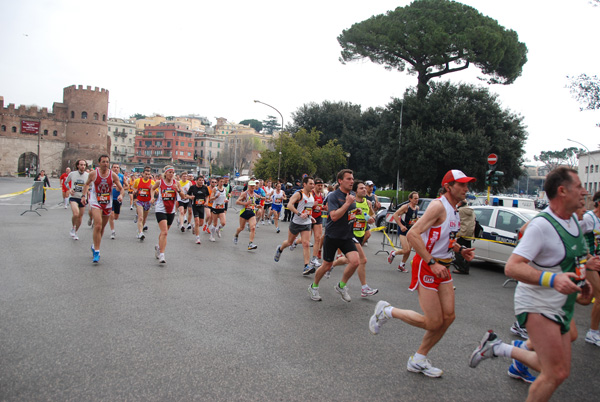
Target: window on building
column 596, row 168
column 45, row 132
column 219, row 145
column 116, row 149
column 201, row 143
column 96, row 116
column 210, row 144
column 55, row 133
column 189, row 154
column 72, row 114
column 201, row 153
column 586, row 169
column 148, row 143
column 3, row 127
column 168, row 144
column 103, row 117
column 176, row 142
column 189, row 144
column 14, row 129
column 84, row 115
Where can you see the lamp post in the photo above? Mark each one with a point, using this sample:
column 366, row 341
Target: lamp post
column 279, row 166
column 399, row 143
column 587, row 180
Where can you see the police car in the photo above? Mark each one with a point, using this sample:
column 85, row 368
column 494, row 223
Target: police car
column 501, row 225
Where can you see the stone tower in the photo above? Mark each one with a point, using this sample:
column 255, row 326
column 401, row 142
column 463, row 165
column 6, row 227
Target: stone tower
column 86, row 123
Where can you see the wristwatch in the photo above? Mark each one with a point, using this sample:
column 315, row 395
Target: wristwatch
column 431, row 262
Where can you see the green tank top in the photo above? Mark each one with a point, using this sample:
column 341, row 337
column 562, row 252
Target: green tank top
column 575, row 250
column 360, row 224
column 593, row 238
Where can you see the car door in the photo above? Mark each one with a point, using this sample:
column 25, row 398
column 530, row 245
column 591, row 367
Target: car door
column 483, row 216
column 505, row 229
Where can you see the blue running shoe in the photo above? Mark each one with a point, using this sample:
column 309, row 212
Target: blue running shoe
column 93, row 249
column 96, row 258
column 517, row 369
column 277, row 254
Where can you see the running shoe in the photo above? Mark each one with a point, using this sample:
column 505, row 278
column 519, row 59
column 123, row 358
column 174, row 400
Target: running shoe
column 219, row 233
column 277, row 254
column 366, row 292
column 485, row 350
column 189, row 227
column 391, row 256
column 96, row 257
column 90, row 222
column 293, row 246
column 235, row 240
column 113, row 235
column 343, row 292
column 182, row 228
column 519, row 330
column 379, row 317
column 308, row 270
column 315, row 262
column 156, row 251
column 328, row 274
column 314, row 293
column 131, row 207
column 593, row 337
column 161, row 258
column 517, row 369
column 185, row 221
column 145, row 228
column 141, row 236
column 272, row 221
column 252, row 246
column 72, row 232
column 93, row 249
column 277, row 230
column 514, row 372
column 401, row 268
column 423, row 366
column 198, row 240
column 135, row 219
column 75, row 237
column 211, row 238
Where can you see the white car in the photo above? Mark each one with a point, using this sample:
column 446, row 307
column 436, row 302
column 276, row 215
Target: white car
column 500, row 224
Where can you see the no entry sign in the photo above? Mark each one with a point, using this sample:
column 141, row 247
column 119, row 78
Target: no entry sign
column 492, row 159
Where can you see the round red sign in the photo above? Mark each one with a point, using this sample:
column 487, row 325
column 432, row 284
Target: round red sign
column 492, row 159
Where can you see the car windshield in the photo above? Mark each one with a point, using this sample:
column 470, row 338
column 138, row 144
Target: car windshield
column 529, row 215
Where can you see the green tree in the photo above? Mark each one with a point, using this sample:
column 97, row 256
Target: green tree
column 301, row 154
column 436, row 37
column 455, row 127
column 137, row 116
column 255, row 124
column 271, row 124
column 553, row 159
column 586, row 90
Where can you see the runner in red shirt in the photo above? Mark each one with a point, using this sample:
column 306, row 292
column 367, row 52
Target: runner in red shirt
column 66, row 191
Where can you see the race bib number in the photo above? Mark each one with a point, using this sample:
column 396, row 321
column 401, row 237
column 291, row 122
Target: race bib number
column 103, row 198
column 220, row 206
column 359, row 225
column 144, row 192
column 200, row 201
column 412, row 221
column 168, row 195
column 278, row 201
column 317, row 209
column 308, row 210
column 452, row 241
column 352, row 215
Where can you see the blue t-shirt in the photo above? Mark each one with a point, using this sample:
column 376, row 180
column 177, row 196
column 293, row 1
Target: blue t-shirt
column 116, row 192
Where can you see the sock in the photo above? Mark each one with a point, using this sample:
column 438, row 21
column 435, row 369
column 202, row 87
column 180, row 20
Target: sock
column 402, row 264
column 314, row 286
column 503, row 349
column 66, row 201
column 342, row 285
column 388, row 311
column 418, row 357
column 365, row 287
column 594, row 331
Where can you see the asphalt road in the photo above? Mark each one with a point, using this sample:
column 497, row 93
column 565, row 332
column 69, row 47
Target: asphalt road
column 217, row 322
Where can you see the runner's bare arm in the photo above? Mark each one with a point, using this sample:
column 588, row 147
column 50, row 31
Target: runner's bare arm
column 518, row 268
column 434, row 216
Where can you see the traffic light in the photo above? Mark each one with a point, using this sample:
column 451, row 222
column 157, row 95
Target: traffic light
column 488, row 177
column 496, row 177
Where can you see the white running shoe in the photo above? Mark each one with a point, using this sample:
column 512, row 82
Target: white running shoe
column 379, row 317
column 519, row 330
column 369, row 291
column 343, row 292
column 72, row 232
column 252, row 246
column 485, row 350
column 293, row 246
column 156, row 251
column 402, row 268
column 198, row 240
column 423, row 366
column 328, row 274
column 391, row 256
column 211, row 238
column 112, row 235
column 75, row 237
column 315, row 262
column 314, row 293
column 141, row 236
column 593, row 337
column 161, row 258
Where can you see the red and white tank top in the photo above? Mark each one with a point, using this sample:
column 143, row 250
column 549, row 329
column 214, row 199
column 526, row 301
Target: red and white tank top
column 167, row 195
column 316, row 212
column 101, row 191
column 144, row 189
column 440, row 239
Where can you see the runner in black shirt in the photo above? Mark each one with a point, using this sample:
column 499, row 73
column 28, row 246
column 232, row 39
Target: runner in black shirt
column 200, row 194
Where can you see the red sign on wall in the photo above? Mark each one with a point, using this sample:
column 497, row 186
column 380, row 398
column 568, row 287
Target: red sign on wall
column 30, row 127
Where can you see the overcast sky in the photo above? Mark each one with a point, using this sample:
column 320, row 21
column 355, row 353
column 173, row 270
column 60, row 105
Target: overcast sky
column 215, row 58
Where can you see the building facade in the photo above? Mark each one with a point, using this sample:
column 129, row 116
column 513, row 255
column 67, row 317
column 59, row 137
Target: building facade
column 589, row 171
column 75, row 129
column 122, row 137
column 165, row 144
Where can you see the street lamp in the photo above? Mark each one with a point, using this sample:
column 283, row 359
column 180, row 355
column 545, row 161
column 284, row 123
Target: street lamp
column 587, row 184
column 279, row 166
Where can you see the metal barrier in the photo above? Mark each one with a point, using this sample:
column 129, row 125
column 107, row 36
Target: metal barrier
column 389, row 235
column 37, row 197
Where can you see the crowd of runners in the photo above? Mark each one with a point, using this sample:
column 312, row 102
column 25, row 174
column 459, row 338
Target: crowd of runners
column 549, row 263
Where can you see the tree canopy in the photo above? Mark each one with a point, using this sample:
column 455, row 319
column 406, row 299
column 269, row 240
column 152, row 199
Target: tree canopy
column 586, row 90
column 255, row 124
column 566, row 157
column 301, row 154
column 271, row 124
column 436, row 37
column 137, row 116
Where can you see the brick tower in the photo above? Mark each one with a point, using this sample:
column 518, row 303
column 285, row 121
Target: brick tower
column 87, row 123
